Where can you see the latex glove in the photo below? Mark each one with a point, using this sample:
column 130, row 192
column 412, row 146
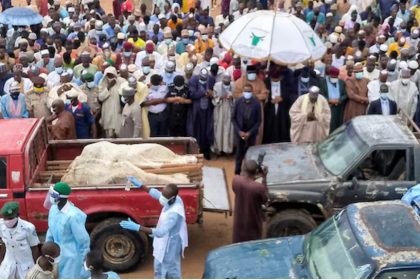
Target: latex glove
column 130, row 225
column 135, row 182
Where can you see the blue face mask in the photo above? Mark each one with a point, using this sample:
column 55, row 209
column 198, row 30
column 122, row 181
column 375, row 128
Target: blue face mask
column 358, row 75
column 91, row 84
column 127, row 54
column 59, row 70
column 247, row 95
column 168, row 41
column 67, row 102
column 185, row 40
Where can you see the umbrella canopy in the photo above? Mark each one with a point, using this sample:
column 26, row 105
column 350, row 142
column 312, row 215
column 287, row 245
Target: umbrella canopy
column 270, row 35
column 20, row 17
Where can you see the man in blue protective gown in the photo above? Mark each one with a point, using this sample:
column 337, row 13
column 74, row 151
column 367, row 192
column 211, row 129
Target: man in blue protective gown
column 66, row 227
column 170, row 236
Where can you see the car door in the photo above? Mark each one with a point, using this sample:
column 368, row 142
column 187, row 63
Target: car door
column 399, row 273
column 356, row 189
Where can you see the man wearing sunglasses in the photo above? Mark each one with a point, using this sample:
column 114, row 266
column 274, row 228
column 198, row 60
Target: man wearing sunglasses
column 66, row 227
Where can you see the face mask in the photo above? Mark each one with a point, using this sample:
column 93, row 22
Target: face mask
column 38, row 89
column 127, row 54
column 202, row 81
column 190, row 33
column 59, row 70
column 168, row 41
column 247, row 94
column 179, row 88
column 168, row 74
column 333, row 80
column 185, row 40
column 251, row 76
column 155, row 87
column 123, row 100
column 304, row 79
column 163, row 200
column 53, row 260
column 226, row 86
column 204, row 37
column 67, row 102
column 146, row 69
column 405, row 81
column 384, row 95
column 86, row 267
column 15, row 96
column 358, row 75
column 10, row 223
column 90, row 84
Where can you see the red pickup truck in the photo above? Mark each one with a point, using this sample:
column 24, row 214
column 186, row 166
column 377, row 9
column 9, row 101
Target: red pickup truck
column 28, row 166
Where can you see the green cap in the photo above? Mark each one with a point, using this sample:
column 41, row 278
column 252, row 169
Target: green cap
column 63, row 189
column 10, row 209
column 88, row 77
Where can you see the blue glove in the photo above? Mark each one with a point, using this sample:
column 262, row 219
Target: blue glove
column 135, row 182
column 130, row 225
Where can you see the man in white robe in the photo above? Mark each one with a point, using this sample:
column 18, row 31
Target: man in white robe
column 404, row 92
column 310, row 118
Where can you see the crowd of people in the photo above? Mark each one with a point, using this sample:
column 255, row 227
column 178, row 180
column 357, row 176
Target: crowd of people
column 157, row 69
column 146, row 71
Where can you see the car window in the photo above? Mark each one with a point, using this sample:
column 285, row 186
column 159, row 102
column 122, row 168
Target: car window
column 400, row 274
column 344, row 142
column 3, row 173
column 382, row 165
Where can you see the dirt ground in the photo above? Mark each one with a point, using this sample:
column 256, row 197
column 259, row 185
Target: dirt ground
column 215, row 231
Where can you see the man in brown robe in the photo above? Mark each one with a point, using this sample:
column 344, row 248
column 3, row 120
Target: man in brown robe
column 64, row 126
column 249, row 197
column 259, row 89
column 357, row 93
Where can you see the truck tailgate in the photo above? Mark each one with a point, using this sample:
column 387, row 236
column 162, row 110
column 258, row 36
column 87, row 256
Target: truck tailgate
column 216, row 193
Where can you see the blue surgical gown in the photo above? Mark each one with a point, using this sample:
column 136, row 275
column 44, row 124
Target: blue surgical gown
column 67, row 229
column 170, row 268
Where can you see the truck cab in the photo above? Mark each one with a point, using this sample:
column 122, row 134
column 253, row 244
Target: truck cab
column 370, row 158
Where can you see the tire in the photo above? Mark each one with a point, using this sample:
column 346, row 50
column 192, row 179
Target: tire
column 122, row 249
column 290, row 222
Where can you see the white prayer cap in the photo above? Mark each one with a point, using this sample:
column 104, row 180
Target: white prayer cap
column 392, row 61
column 32, row 36
column 127, row 90
column 213, row 60
column 314, row 89
column 120, row 36
column 383, row 47
column 403, row 65
column 384, row 72
column 329, row 14
column 132, row 68
column 99, row 24
column 57, row 2
column 14, row 87
column 22, row 41
column 45, row 30
column 45, row 52
column 71, row 10
column 412, row 64
column 189, row 67
column 72, row 93
column 170, row 66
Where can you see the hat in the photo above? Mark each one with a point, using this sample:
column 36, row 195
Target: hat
column 329, row 14
column 14, row 87
column 32, row 36
column 189, row 67
column 127, row 46
column 88, row 77
column 358, row 67
column 167, row 34
column 184, row 32
column 72, row 93
column 99, row 24
column 92, row 20
column 132, row 68
column 37, row 80
column 213, row 60
column 10, row 209
column 204, row 73
column 161, row 16
column 170, row 66
column 57, row 2
column 383, row 47
column 22, row 41
column 71, row 10
column 314, row 89
column 137, row 12
column 333, row 72
column 412, row 64
column 45, row 52
column 62, row 188
column 128, row 91
column 338, row 29
column 17, row 67
column 43, row 30
column 120, row 36
column 105, row 45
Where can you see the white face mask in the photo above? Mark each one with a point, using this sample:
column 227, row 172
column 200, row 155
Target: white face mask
column 247, row 94
column 179, row 88
column 226, row 86
column 90, row 84
column 123, row 100
column 251, row 76
column 10, row 223
column 304, row 79
column 146, row 69
column 163, row 200
column 204, row 37
column 59, row 70
column 383, row 95
column 53, row 260
column 405, row 81
column 333, row 80
column 86, row 267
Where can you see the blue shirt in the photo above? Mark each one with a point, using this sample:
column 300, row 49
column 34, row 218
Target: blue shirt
column 83, row 119
column 8, row 113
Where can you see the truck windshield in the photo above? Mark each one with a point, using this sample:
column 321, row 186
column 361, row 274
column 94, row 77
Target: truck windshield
column 341, row 149
column 332, row 251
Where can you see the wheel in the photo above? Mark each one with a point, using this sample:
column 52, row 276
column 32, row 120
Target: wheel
column 122, row 249
column 290, row 222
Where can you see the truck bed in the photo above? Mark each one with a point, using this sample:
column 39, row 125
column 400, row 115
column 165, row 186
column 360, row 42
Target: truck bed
column 60, row 154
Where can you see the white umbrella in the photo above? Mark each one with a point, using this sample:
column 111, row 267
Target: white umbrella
column 270, row 35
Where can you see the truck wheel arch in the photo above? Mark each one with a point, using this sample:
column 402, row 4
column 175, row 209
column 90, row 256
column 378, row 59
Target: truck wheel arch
column 317, row 211
column 122, row 249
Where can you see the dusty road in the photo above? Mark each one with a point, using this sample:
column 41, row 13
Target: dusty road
column 216, row 230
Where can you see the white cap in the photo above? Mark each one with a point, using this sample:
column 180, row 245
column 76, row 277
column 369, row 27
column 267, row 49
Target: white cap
column 383, row 47
column 120, row 36
column 71, row 10
column 132, row 68
column 72, row 93
column 32, row 36
column 57, row 2
column 412, row 64
column 45, row 52
column 213, row 60
column 403, row 65
column 99, row 24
